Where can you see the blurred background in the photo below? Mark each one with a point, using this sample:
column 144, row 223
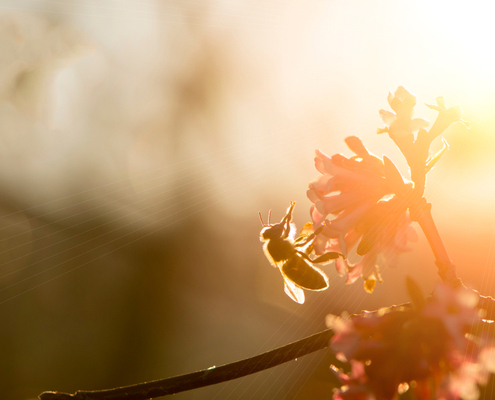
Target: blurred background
column 140, row 138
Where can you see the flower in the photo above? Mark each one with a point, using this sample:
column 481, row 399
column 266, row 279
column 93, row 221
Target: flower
column 401, row 124
column 446, row 117
column 360, row 202
column 354, row 387
column 416, row 349
column 455, row 308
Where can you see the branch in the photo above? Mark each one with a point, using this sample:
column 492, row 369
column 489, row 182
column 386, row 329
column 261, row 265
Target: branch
column 446, row 269
column 214, row 375
column 206, row 377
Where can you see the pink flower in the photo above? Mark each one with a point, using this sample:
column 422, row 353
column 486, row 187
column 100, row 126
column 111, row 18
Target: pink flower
column 455, row 308
column 425, row 350
column 360, row 201
column 386, row 232
column 353, row 384
column 346, row 338
column 446, row 117
column 400, row 124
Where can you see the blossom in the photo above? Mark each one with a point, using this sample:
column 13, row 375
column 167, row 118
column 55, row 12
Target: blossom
column 354, row 387
column 446, row 117
column 416, row 349
column 360, row 202
column 401, row 124
column 455, row 308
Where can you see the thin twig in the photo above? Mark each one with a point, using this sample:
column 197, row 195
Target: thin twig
column 446, row 269
column 214, row 375
column 206, row 377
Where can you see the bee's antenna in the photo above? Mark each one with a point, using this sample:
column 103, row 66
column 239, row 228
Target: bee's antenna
column 261, row 219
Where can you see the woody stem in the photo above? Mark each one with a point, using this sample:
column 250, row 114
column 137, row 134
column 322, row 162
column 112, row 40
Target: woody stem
column 206, row 377
column 210, row 376
column 446, row 269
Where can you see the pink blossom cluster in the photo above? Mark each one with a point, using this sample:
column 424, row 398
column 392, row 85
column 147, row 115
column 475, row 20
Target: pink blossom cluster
column 360, row 202
column 427, row 351
column 400, row 124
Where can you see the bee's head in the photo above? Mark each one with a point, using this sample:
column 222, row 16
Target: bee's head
column 283, row 228
column 272, row 232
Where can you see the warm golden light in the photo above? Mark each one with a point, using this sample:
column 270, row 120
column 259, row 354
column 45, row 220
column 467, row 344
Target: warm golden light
column 139, row 140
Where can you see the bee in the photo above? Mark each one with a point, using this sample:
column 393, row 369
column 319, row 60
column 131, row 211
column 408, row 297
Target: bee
column 285, row 253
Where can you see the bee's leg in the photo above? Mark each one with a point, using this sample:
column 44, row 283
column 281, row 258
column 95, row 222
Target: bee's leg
column 286, row 223
column 304, row 255
column 304, row 242
column 287, row 219
column 331, row 255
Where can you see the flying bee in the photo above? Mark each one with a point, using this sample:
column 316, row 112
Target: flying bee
column 285, row 253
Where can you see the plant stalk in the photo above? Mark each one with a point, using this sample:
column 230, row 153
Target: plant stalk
column 206, row 377
column 446, row 269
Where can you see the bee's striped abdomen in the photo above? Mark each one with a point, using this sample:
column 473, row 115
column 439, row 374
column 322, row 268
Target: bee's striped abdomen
column 303, row 274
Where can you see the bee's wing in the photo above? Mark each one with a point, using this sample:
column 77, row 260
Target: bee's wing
column 303, row 274
column 294, row 292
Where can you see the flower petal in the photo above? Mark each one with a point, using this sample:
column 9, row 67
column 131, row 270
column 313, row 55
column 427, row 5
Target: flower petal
column 357, row 147
column 340, row 266
column 323, row 163
column 387, row 116
column 418, row 123
column 393, row 176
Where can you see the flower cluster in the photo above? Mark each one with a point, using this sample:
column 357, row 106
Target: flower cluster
column 360, row 202
column 401, row 128
column 400, row 124
column 426, row 350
